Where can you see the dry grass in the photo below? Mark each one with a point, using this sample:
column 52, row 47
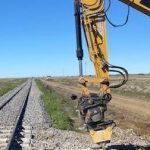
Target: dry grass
column 138, row 86
column 7, row 85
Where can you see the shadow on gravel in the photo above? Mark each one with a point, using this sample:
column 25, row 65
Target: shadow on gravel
column 128, row 147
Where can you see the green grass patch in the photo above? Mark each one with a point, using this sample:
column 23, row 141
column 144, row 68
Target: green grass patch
column 6, row 86
column 55, row 105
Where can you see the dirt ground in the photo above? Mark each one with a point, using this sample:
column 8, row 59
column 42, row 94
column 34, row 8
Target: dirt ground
column 127, row 112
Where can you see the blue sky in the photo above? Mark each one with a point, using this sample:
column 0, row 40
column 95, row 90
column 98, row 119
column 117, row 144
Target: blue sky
column 37, row 38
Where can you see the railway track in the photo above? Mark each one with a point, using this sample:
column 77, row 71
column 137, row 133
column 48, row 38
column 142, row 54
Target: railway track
column 25, row 125
column 14, row 132
column 12, row 95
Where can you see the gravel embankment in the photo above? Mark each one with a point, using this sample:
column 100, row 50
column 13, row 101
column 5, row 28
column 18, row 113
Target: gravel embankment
column 57, row 139
column 35, row 115
column 50, row 138
column 47, row 137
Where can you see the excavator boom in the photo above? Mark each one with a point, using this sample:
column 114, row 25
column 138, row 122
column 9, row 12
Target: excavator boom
column 90, row 15
column 140, row 5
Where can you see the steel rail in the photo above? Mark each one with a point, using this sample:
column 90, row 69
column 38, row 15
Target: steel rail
column 6, row 102
column 18, row 119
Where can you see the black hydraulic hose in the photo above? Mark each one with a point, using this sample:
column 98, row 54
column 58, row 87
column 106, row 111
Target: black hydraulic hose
column 122, row 71
column 120, row 84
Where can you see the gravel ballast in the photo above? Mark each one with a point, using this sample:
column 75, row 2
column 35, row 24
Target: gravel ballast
column 52, row 138
column 47, row 137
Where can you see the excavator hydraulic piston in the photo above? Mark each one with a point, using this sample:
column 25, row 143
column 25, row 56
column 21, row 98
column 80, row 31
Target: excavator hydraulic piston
column 79, row 50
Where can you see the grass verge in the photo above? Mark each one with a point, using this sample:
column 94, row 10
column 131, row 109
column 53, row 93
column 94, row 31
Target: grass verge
column 54, row 106
column 6, row 86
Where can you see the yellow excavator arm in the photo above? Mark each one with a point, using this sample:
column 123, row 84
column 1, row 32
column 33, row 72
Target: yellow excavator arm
column 91, row 16
column 94, row 25
column 140, row 5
